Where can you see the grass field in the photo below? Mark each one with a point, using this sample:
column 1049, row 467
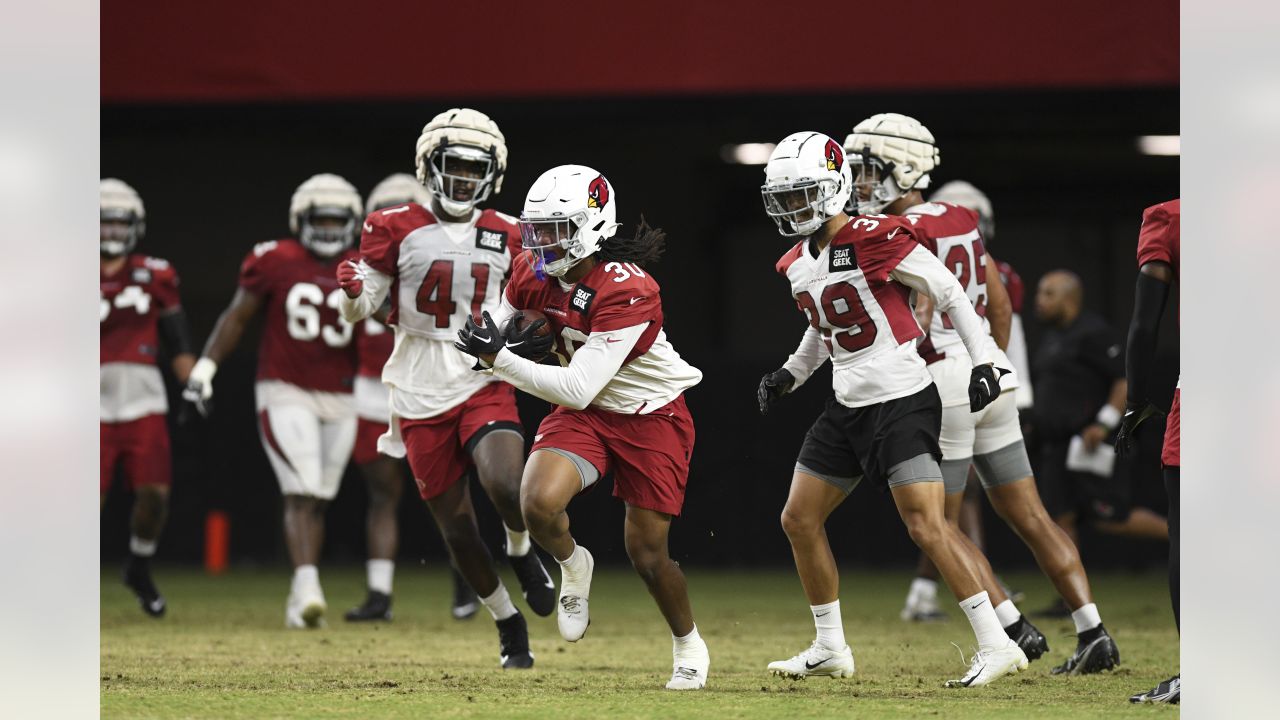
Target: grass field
column 223, row 652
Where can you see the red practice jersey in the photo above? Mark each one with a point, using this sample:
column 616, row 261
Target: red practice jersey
column 1012, row 284
column 951, row 233
column 130, row 303
column 304, row 341
column 849, row 299
column 1160, row 240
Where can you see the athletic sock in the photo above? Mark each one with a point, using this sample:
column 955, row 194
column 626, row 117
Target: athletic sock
column 1086, row 618
column 517, row 542
column 687, row 645
column 826, row 618
column 380, row 573
column 305, row 576
column 499, row 603
column 986, row 626
column 141, row 548
column 923, row 590
column 575, row 566
column 1007, row 613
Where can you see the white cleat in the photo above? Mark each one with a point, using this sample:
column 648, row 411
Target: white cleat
column 816, row 660
column 305, row 610
column 924, row 611
column 988, row 667
column 571, row 616
column 689, row 669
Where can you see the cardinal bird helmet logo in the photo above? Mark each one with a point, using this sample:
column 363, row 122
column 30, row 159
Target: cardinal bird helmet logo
column 598, row 193
column 835, row 156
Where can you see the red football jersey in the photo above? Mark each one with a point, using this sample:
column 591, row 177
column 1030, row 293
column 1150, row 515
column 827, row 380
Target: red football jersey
column 130, row 302
column 611, row 296
column 304, row 340
column 374, row 343
column 1161, row 236
column 1012, row 284
column 951, row 233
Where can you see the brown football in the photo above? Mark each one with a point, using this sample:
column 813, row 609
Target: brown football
column 532, row 316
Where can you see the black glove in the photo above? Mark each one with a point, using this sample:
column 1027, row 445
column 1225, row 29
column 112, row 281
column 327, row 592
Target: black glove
column 1129, row 422
column 984, row 386
column 480, row 340
column 526, row 343
column 773, row 386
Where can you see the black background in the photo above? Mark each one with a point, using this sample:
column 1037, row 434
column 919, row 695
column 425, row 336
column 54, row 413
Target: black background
column 1061, row 168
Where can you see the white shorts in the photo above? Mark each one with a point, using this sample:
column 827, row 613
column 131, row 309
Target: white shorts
column 308, row 436
column 373, row 399
column 965, row 434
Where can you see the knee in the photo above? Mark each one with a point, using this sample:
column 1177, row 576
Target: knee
column 926, row 531
column 797, row 524
column 538, row 508
column 647, row 560
column 384, row 493
column 152, row 498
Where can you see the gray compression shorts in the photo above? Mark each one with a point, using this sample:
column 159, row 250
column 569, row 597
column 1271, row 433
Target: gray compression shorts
column 586, row 470
column 1003, row 466
column 921, row 468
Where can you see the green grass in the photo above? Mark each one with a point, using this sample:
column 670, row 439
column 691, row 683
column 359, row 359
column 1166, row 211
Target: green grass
column 223, row 652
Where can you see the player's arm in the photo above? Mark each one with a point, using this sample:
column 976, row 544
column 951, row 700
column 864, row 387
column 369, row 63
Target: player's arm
column 923, row 310
column 592, row 367
column 175, row 335
column 800, row 365
column 921, row 271
column 364, row 290
column 222, row 341
column 1150, row 296
column 999, row 306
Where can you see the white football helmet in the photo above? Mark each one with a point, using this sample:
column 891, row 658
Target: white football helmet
column 806, row 183
column 326, row 197
column 119, row 203
column 959, row 192
column 397, row 189
column 568, row 213
column 892, row 154
column 461, row 158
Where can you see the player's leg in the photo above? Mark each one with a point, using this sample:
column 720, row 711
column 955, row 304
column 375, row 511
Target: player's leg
column 146, row 462
column 384, row 483
column 1172, row 484
column 1142, row 523
column 439, row 467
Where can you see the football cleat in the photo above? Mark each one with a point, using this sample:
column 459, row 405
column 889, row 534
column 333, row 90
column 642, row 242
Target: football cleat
column 987, row 667
column 572, row 616
column 1169, row 692
column 465, row 602
column 137, row 578
column 535, row 583
column 689, row 668
column 377, row 606
column 513, row 643
column 1095, row 652
column 305, row 609
column 816, row 660
column 1028, row 637
column 925, row 611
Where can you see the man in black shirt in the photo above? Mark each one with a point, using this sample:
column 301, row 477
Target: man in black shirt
column 1080, row 390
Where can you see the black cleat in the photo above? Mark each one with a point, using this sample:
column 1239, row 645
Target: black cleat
column 1095, row 652
column 1058, row 609
column 1028, row 637
column 465, row 602
column 539, row 591
column 137, row 576
column 377, row 606
column 513, row 643
column 1168, row 692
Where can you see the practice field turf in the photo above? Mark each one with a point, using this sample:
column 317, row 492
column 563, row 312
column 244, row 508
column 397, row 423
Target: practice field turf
column 223, row 652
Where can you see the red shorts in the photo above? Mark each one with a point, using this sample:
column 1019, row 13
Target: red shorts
column 1171, row 456
column 649, row 454
column 140, row 447
column 367, row 433
column 439, row 448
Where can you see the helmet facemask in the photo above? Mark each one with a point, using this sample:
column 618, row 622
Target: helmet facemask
column 800, row 207
column 555, row 243
column 461, row 177
column 118, row 232
column 874, row 186
column 327, row 231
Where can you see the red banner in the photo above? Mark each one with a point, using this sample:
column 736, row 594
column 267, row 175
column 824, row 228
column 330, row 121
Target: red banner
column 248, row 50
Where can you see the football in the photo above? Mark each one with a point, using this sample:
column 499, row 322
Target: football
column 530, row 316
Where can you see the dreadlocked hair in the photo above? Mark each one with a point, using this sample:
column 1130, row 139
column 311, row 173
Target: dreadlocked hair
column 644, row 248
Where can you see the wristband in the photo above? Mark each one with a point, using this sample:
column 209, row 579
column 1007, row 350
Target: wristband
column 1108, row 417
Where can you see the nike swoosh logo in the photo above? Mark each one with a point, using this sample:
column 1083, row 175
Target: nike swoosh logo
column 368, row 227
column 895, row 232
column 480, row 337
column 824, row 614
column 974, row 607
column 635, row 300
column 808, row 666
column 611, row 340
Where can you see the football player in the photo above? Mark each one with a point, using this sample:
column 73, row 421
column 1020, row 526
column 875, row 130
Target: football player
column 852, row 278
column 1159, row 246
column 382, row 473
column 138, row 311
column 893, row 155
column 439, row 266
column 306, row 366
column 619, row 390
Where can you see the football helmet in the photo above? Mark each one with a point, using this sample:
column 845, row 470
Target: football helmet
column 461, row 158
column 122, row 219
column 806, row 183
column 891, row 154
column 397, row 189
column 568, row 213
column 959, row 192
column 325, row 197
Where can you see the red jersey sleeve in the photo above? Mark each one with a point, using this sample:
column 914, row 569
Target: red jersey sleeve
column 879, row 243
column 624, row 299
column 1159, row 236
column 256, row 272
column 791, row 256
column 383, row 230
column 165, row 280
column 1012, row 284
